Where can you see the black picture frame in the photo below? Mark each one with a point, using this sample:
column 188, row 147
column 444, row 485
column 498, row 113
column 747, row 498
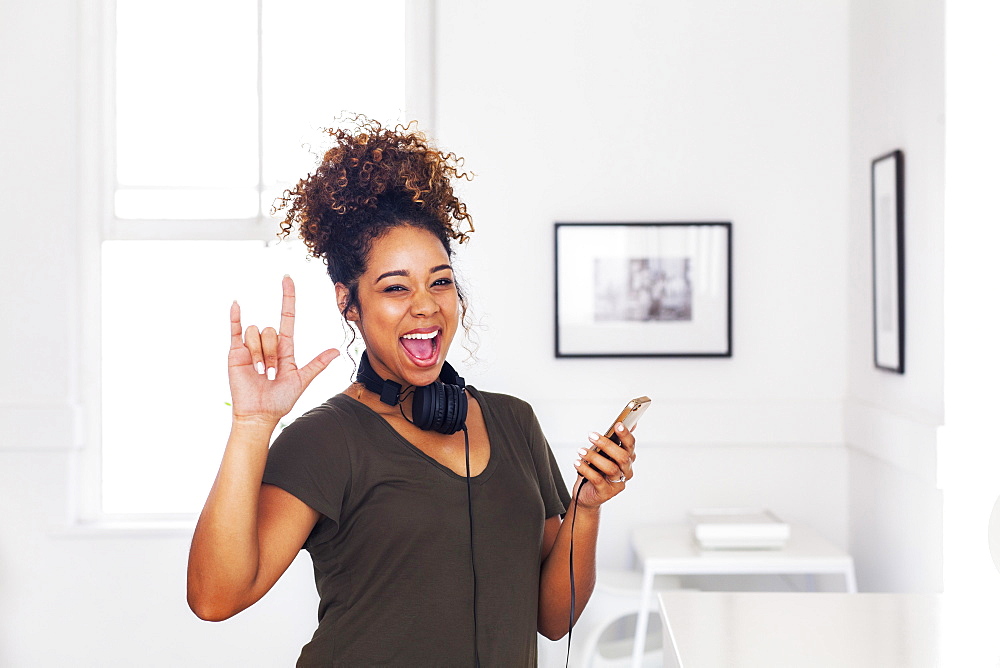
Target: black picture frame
column 647, row 289
column 888, row 267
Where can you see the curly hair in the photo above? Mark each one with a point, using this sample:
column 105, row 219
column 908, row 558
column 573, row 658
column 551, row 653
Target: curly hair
column 371, row 180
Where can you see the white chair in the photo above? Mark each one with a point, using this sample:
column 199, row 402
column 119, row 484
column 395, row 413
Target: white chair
column 604, row 636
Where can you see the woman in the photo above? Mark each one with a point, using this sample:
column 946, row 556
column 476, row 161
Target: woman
column 436, row 543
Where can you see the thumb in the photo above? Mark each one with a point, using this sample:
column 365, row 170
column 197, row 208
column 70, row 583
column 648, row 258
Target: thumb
column 320, row 362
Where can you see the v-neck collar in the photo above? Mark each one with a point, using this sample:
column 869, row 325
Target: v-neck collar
column 488, row 418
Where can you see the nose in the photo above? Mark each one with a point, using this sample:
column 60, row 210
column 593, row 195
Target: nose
column 423, row 304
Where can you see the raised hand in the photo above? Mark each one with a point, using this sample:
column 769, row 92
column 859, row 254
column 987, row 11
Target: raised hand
column 263, row 378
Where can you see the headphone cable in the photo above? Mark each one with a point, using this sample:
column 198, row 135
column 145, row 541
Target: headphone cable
column 472, row 548
column 572, row 578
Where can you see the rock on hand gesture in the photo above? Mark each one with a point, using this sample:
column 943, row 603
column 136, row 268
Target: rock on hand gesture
column 263, row 378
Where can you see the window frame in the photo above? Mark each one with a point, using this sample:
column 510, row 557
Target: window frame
column 98, row 223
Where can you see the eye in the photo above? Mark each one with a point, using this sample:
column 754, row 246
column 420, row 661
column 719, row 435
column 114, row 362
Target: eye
column 442, row 281
column 394, row 288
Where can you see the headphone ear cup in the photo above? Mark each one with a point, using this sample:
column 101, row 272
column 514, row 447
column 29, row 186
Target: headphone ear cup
column 458, row 408
column 423, row 406
column 440, row 407
column 447, row 425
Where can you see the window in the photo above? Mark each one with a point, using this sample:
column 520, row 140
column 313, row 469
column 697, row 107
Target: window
column 207, row 112
column 165, row 336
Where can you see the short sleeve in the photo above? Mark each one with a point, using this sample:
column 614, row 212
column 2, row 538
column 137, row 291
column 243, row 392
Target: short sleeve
column 550, row 483
column 309, row 460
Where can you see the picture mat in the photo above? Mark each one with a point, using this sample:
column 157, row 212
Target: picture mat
column 705, row 245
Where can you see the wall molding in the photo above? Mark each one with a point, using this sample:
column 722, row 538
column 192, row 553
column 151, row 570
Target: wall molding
column 40, row 428
column 669, row 421
column 905, row 441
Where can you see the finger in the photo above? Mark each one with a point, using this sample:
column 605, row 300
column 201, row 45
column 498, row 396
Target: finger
column 235, row 328
column 604, row 464
column 252, row 339
column 625, row 437
column 287, row 324
column 619, row 454
column 625, row 443
column 591, row 475
column 269, row 343
column 320, row 362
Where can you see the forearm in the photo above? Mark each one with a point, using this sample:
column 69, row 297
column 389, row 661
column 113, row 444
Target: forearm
column 225, row 555
column 555, row 594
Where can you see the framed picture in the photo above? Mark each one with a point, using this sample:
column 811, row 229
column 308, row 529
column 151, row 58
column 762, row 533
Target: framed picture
column 643, row 289
column 887, row 260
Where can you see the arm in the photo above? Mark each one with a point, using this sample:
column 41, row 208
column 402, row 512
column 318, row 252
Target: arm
column 248, row 533
column 554, row 594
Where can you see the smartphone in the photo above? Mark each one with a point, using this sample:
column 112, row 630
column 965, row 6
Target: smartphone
column 629, row 417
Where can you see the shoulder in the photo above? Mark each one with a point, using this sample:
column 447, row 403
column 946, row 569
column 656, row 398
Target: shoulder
column 504, row 403
column 336, row 421
column 514, row 416
column 339, row 408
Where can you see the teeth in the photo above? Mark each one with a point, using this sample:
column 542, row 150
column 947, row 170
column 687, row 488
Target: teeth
column 429, row 335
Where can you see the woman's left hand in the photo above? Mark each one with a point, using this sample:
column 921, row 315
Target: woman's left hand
column 614, row 470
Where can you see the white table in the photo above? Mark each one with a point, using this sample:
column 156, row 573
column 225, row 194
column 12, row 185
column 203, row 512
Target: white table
column 672, row 550
column 827, row 630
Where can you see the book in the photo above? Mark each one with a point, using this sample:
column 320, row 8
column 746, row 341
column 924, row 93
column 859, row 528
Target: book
column 738, row 529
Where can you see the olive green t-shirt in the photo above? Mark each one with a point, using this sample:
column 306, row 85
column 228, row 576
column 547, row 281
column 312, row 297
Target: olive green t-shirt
column 391, row 551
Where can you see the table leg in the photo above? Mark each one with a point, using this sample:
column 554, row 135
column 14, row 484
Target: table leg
column 642, row 620
column 850, row 583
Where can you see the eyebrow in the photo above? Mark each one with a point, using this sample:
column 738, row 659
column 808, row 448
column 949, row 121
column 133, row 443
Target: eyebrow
column 404, row 272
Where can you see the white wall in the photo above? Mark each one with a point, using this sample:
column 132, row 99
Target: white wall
column 717, row 110
column 891, row 420
column 693, row 110
column 970, row 441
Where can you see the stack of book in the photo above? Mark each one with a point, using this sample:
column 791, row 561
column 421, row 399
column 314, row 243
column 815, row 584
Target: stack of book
column 738, row 529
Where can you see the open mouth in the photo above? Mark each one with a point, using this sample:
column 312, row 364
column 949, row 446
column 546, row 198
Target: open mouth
column 421, row 346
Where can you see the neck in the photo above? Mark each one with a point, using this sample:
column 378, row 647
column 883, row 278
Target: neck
column 373, row 401
column 388, row 391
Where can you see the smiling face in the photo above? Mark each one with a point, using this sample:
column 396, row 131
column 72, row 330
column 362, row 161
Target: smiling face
column 409, row 306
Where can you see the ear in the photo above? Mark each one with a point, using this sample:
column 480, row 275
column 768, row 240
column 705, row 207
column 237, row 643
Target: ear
column 343, row 296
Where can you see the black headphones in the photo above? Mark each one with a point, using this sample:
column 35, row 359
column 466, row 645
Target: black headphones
column 441, row 406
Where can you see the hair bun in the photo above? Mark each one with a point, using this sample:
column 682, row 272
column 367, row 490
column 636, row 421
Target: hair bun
column 372, row 171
